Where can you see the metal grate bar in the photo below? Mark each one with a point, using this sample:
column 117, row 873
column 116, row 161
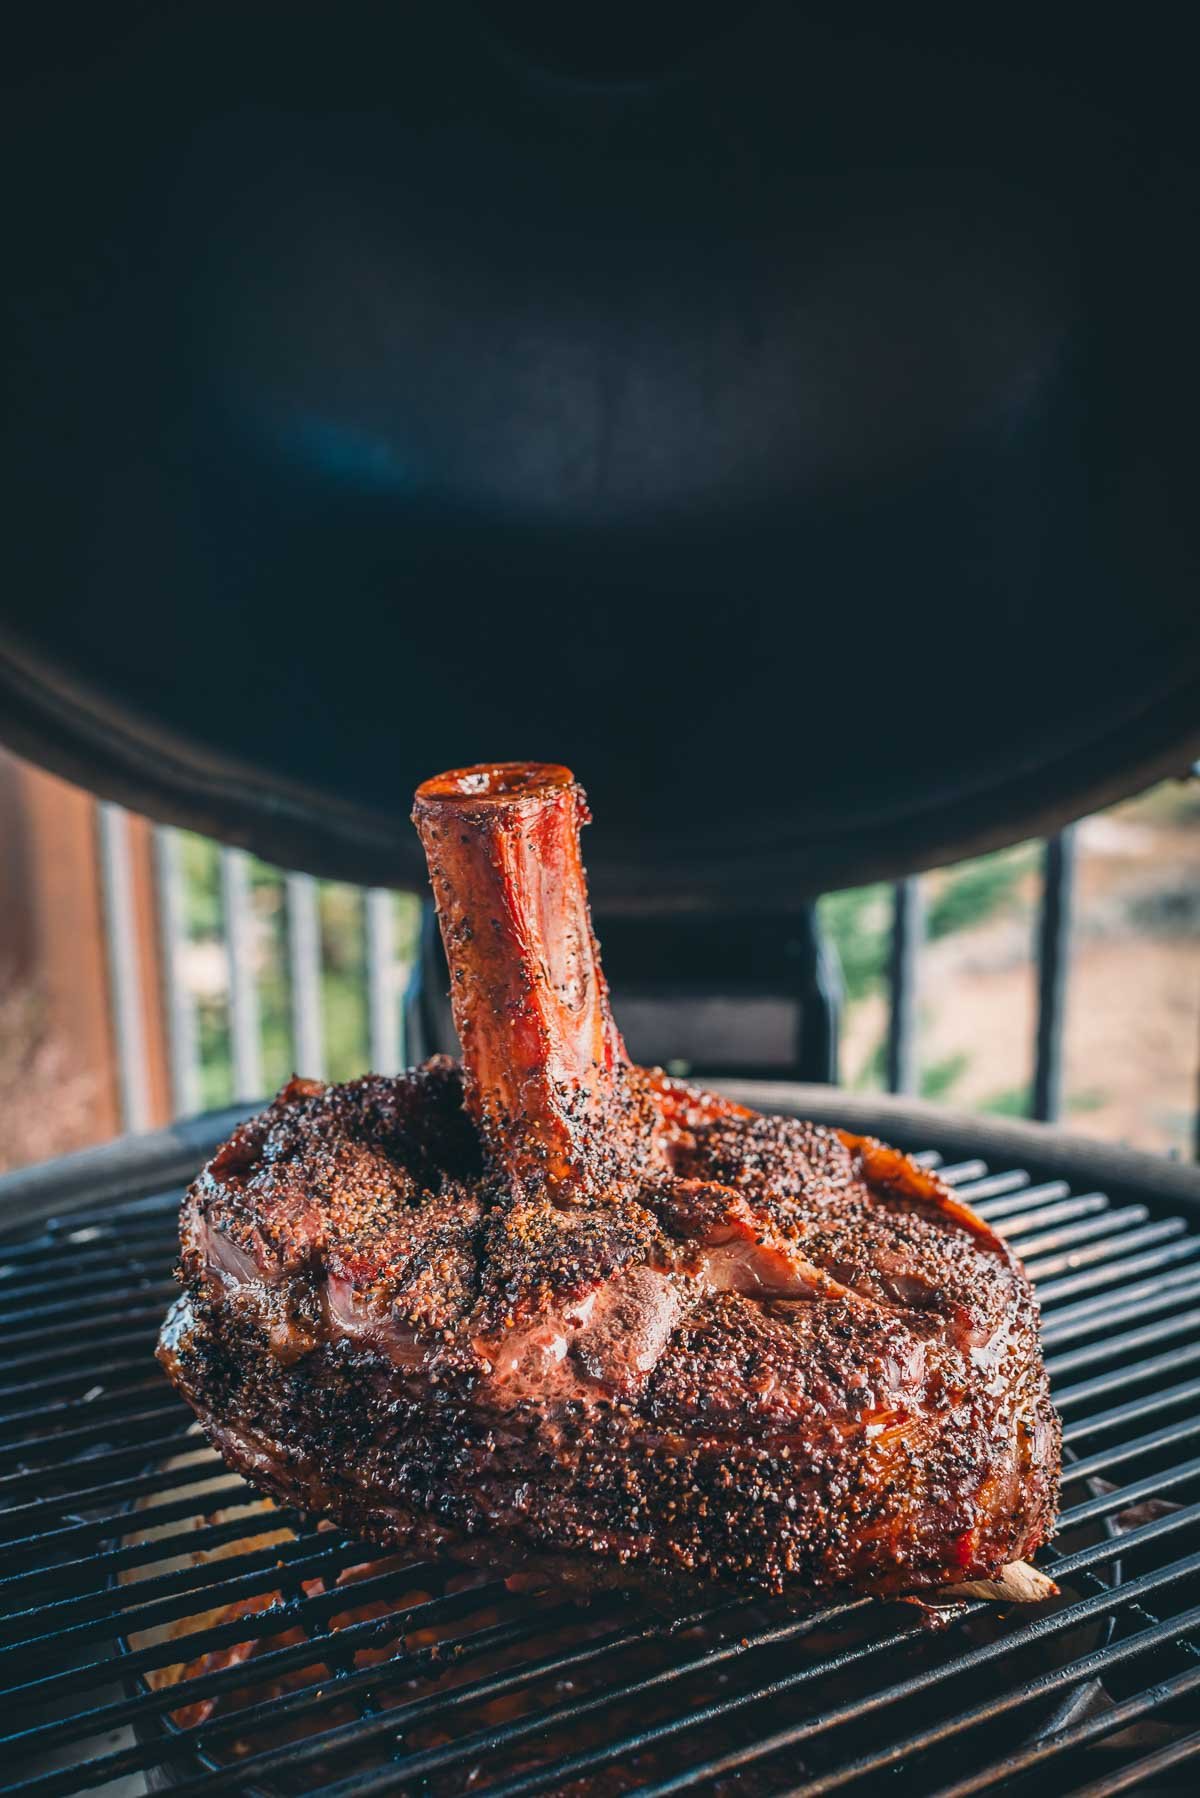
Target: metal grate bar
column 188, row 1646
column 1001, row 1703
column 78, row 1351
column 1152, row 1486
column 87, row 1377
column 1140, row 1299
column 79, row 1435
column 75, row 1353
column 85, row 1225
column 1182, row 1323
column 1087, row 1390
column 1159, row 1305
column 959, row 1172
column 83, row 1234
column 1117, row 1418
column 1054, row 1290
column 309, row 1699
column 295, row 1704
column 107, row 1304
column 867, row 1705
column 985, row 1193
column 1024, row 1200
column 83, row 1266
column 274, row 1620
column 1117, row 1453
column 416, row 1766
column 104, row 1565
column 112, row 1595
column 574, row 1766
column 131, row 1266
column 1039, row 1268
column 99, row 1529
column 1126, row 1337
column 1117, row 1716
column 35, row 1479
column 1088, row 1204
column 107, row 1219
column 356, row 1734
column 1105, row 1225
column 1142, row 1771
column 262, row 1577
column 98, row 1250
column 78, row 1371
column 80, row 1273
column 100, row 1404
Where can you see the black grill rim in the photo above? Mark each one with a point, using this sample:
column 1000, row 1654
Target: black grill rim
column 1147, row 1198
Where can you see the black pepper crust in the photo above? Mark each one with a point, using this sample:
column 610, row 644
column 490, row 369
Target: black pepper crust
column 884, row 1427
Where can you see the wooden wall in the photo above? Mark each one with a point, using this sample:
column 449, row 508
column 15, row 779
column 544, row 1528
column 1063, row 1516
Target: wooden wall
column 53, row 949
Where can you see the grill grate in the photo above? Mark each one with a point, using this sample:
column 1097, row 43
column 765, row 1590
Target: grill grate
column 306, row 1662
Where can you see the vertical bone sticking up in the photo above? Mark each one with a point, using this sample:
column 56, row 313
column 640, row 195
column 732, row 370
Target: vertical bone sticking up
column 543, row 1058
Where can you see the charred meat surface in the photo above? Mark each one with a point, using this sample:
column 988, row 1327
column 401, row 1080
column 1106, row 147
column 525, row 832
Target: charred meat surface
column 552, row 1310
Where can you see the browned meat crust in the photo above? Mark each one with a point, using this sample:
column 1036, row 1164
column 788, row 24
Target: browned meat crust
column 564, row 1308
column 883, row 1425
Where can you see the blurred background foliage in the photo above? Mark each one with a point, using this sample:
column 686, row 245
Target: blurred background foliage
column 1132, row 1037
column 1133, row 1002
column 343, row 969
column 1135, row 984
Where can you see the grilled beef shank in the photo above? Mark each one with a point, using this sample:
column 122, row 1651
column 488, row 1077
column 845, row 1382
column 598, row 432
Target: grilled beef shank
column 551, row 1309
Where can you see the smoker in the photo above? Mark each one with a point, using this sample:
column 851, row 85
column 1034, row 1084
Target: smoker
column 789, row 424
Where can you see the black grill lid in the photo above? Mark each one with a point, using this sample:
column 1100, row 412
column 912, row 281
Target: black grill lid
column 787, row 424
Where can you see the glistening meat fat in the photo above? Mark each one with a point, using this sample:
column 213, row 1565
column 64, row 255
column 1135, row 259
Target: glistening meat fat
column 550, row 1309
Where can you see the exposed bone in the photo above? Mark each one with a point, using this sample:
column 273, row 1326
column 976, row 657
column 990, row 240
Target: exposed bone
column 1018, row 1583
column 542, row 1054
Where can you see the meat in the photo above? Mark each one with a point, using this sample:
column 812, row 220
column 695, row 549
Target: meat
column 550, row 1309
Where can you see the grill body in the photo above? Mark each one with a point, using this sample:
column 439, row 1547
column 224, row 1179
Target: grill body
column 304, row 1661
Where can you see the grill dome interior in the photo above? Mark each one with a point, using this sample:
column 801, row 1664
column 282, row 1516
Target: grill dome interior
column 788, row 425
